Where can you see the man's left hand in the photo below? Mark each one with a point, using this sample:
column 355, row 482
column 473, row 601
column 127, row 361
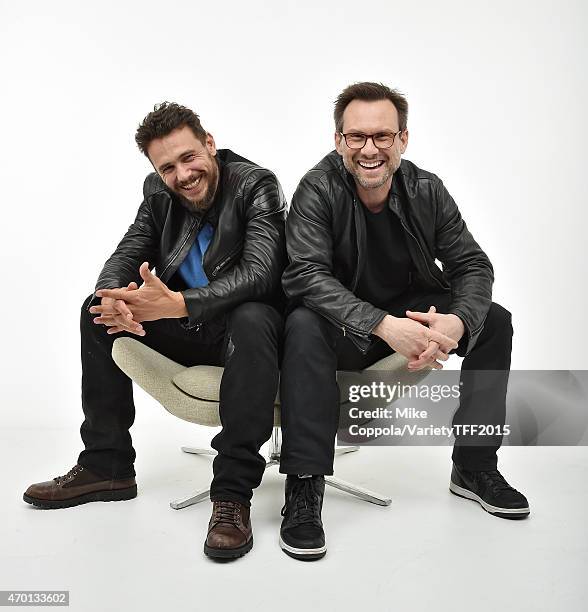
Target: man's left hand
column 449, row 324
column 152, row 301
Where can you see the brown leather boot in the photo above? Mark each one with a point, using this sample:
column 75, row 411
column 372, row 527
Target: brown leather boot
column 78, row 486
column 229, row 531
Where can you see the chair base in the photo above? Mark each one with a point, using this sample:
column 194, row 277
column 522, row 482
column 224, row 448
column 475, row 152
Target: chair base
column 274, row 459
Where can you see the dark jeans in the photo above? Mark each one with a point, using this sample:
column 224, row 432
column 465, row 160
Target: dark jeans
column 314, row 350
column 246, row 342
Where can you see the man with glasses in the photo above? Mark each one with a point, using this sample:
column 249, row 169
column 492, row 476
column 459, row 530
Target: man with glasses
column 212, row 224
column 364, row 230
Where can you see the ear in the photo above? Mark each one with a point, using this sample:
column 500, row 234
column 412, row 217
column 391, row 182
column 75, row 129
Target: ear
column 339, row 143
column 403, row 141
column 210, row 144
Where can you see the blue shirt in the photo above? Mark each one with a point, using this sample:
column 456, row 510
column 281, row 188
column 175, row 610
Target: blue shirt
column 191, row 269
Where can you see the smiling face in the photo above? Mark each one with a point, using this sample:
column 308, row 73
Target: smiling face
column 187, row 166
column 372, row 168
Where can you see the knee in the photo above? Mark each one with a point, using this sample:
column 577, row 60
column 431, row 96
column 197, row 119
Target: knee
column 86, row 302
column 255, row 317
column 302, row 319
column 85, row 315
column 499, row 319
column 303, row 324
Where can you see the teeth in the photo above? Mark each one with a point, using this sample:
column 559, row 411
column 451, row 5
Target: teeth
column 367, row 164
column 192, row 185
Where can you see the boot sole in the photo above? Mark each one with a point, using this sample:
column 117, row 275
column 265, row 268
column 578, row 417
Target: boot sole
column 507, row 513
column 105, row 496
column 228, row 553
column 303, row 554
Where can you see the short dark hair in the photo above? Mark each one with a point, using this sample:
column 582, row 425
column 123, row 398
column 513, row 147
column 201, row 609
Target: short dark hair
column 370, row 92
column 164, row 119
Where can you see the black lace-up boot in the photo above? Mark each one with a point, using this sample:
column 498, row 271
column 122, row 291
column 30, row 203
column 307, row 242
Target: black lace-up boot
column 491, row 491
column 301, row 534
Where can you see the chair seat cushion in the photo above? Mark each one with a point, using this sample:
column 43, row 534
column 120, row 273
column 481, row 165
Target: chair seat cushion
column 203, row 382
column 192, row 394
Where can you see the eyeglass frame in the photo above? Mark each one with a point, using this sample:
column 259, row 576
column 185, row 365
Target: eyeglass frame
column 368, row 137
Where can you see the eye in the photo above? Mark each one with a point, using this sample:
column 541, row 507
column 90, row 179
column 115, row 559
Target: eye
column 384, row 138
column 355, row 137
column 190, row 157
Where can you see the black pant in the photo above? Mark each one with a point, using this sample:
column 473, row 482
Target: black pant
column 245, row 342
column 314, row 350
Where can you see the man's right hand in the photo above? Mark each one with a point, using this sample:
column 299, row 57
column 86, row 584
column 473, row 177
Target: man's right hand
column 411, row 339
column 116, row 315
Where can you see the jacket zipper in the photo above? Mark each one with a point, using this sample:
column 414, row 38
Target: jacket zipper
column 196, row 224
column 345, row 327
column 358, row 238
column 424, row 258
column 224, row 262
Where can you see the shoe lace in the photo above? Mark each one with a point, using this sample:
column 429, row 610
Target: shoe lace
column 303, row 506
column 71, row 474
column 227, row 512
column 495, row 481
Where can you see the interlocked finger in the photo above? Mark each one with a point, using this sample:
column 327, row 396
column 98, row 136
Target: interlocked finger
column 429, row 353
column 118, row 321
column 441, row 356
column 429, row 358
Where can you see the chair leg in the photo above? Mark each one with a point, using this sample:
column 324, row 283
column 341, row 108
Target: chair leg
column 200, row 495
column 198, row 451
column 190, row 501
column 203, row 493
column 343, row 450
column 360, row 492
column 274, row 459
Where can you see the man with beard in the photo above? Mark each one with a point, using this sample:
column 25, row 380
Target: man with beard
column 363, row 232
column 212, row 224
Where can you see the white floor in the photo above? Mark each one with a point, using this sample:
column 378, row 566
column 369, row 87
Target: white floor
column 428, row 551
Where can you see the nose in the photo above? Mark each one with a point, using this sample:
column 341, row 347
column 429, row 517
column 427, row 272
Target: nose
column 183, row 172
column 369, row 148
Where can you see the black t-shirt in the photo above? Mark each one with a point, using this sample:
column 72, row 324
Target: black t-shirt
column 387, row 267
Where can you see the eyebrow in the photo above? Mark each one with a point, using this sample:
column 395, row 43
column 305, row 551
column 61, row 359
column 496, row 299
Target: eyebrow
column 384, row 131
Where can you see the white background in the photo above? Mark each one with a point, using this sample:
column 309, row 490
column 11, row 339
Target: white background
column 497, row 93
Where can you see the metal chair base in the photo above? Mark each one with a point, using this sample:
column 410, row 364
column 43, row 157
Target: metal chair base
column 274, row 459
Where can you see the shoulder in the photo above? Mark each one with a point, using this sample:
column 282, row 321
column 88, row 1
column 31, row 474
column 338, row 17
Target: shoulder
column 243, row 179
column 416, row 180
column 329, row 169
column 328, row 180
column 153, row 185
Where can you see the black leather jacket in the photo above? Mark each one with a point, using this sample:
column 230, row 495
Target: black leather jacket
column 325, row 236
column 245, row 259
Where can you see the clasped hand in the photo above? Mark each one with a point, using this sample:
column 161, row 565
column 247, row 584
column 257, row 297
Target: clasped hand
column 123, row 309
column 424, row 338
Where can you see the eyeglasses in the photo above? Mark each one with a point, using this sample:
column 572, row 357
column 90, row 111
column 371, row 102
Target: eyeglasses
column 382, row 140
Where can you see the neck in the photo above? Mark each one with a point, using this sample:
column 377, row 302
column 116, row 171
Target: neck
column 374, row 199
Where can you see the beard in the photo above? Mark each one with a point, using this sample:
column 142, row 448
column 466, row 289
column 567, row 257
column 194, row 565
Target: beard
column 201, row 205
column 389, row 168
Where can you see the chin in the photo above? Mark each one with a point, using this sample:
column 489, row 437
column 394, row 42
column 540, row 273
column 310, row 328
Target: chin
column 372, row 183
column 200, row 205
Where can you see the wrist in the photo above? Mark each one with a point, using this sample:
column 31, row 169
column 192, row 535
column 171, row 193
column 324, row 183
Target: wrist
column 179, row 309
column 380, row 329
column 459, row 325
